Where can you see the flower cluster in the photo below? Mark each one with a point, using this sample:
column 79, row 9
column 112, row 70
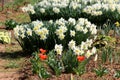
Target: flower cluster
column 46, row 9
column 23, row 31
column 83, row 48
column 5, row 37
column 56, row 8
column 42, row 54
column 29, row 8
column 100, row 8
column 61, row 31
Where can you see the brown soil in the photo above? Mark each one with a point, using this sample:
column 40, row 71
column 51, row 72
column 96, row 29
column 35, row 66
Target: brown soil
column 89, row 75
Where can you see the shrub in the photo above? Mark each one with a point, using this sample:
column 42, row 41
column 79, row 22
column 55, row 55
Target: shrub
column 10, row 24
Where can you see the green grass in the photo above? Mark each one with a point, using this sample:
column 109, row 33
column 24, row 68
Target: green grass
column 1, row 23
column 16, row 3
column 21, row 18
column 12, row 64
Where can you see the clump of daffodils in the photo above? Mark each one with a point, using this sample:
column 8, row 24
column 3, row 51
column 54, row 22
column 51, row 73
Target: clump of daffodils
column 99, row 8
column 84, row 48
column 29, row 8
column 55, row 9
column 61, row 31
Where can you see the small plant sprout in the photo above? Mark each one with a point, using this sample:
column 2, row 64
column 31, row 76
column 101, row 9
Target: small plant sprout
column 117, row 74
column 101, row 71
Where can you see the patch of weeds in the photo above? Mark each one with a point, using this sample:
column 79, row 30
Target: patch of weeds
column 21, row 18
column 107, row 54
column 1, row 23
column 117, row 57
column 10, row 24
column 101, row 71
column 8, row 5
column 12, row 64
column 117, row 74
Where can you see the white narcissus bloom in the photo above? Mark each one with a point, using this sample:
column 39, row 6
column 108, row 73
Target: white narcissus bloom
column 74, row 5
column 64, row 28
column 96, row 13
column 56, row 10
column 22, row 35
column 112, row 7
column 29, row 32
column 24, row 9
column 37, row 25
column 32, row 11
column 85, row 30
column 31, row 8
column 93, row 50
column 88, row 24
column 84, row 46
column 21, row 28
column 51, row 21
column 93, row 29
column 76, row 50
column 72, row 44
column 72, row 33
column 118, row 8
column 96, row 57
column 61, row 36
column 58, row 49
column 61, row 22
column 89, row 42
column 60, row 32
column 42, row 10
column 88, row 54
column 36, row 28
column 43, row 37
column 72, row 21
column 81, row 21
column 16, row 31
column 39, row 32
column 78, row 27
column 94, row 9
column 45, row 31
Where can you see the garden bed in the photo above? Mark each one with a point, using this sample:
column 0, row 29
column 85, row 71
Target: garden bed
column 89, row 75
column 16, row 64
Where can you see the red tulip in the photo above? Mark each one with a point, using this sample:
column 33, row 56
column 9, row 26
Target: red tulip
column 80, row 58
column 42, row 56
column 42, row 51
